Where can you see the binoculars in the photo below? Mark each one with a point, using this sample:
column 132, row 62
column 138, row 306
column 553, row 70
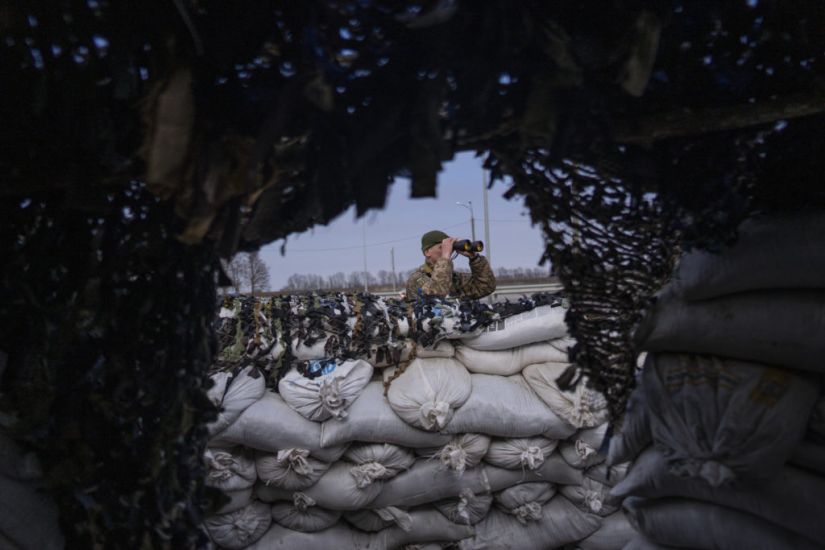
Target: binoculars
column 467, row 245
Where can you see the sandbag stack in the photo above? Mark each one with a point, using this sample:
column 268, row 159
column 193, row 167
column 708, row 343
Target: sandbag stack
column 725, row 425
column 468, row 441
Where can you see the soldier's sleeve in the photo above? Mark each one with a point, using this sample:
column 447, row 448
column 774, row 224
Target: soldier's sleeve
column 438, row 284
column 480, row 282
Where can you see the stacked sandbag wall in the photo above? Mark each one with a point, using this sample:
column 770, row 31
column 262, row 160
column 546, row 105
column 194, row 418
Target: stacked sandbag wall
column 726, row 425
column 468, row 442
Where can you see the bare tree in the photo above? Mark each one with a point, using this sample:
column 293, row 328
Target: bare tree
column 258, row 273
column 237, row 269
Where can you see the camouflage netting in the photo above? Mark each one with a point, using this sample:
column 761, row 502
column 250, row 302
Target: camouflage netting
column 141, row 141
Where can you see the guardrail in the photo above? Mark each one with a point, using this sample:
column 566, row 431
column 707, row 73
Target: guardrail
column 503, row 291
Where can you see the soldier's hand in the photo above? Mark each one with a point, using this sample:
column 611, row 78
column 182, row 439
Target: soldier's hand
column 447, row 247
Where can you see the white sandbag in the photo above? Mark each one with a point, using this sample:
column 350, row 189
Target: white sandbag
column 693, row 524
column 592, row 497
column 373, row 461
column 371, row 419
column 339, row 535
column 379, row 518
column 505, row 406
column 444, row 349
column 237, row 500
column 553, row 470
column 509, row 361
column 792, row 498
column 29, row 517
column 271, row 425
column 426, row 526
column 615, row 532
column 640, row 542
column 560, row 523
column 525, row 501
column 303, row 515
column 303, row 352
column 725, row 419
column 816, row 424
column 581, row 406
column 429, row 481
column 781, row 327
column 337, row 489
column 462, row 452
column 608, row 474
column 468, row 509
column 240, row 528
column 582, row 450
column 233, row 393
column 537, row 325
column 326, row 396
column 429, row 391
column 291, row 469
column 229, row 470
column 520, row 453
column 770, row 252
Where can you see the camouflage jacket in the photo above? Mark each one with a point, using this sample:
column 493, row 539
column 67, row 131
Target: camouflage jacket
column 440, row 280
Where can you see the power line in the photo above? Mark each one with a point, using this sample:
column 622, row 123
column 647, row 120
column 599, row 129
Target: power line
column 368, row 245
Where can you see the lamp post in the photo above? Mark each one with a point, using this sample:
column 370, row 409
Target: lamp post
column 469, row 206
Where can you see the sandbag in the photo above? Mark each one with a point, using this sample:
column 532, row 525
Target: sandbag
column 291, row 469
column 337, row 489
column 379, row 518
column 816, row 424
column 29, row 518
column 809, row 455
column 615, row 532
column 444, row 349
column 582, row 450
column 770, row 252
column 608, row 474
column 640, row 542
column 303, row 515
column 372, row 461
column 237, row 500
column 426, row 526
column 429, row 481
column 560, row 523
column 271, row 425
column 15, row 463
column 505, row 406
column 429, row 391
column 325, row 396
column 525, row 501
column 536, row 325
column 581, row 406
column 633, row 434
column 462, row 452
column 694, row 524
column 553, row 470
column 468, row 509
column 509, row 361
column 240, row 528
column 371, row 419
column 592, row 497
column 339, row 535
column 520, row 453
column 232, row 393
column 792, row 498
column 725, row 419
column 781, row 327
column 229, row 470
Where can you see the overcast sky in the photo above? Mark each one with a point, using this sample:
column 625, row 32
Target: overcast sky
column 338, row 246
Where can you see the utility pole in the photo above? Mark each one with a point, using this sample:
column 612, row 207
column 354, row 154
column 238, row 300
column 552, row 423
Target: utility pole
column 472, row 218
column 364, row 242
column 392, row 262
column 486, row 219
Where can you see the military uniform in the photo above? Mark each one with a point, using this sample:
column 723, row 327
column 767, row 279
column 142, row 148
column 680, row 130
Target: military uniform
column 440, row 280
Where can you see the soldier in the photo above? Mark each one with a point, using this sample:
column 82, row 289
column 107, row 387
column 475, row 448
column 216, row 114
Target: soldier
column 436, row 276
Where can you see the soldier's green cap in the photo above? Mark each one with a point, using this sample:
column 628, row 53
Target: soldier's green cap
column 432, row 238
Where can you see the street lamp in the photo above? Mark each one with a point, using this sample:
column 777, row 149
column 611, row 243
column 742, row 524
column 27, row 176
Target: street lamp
column 469, row 206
